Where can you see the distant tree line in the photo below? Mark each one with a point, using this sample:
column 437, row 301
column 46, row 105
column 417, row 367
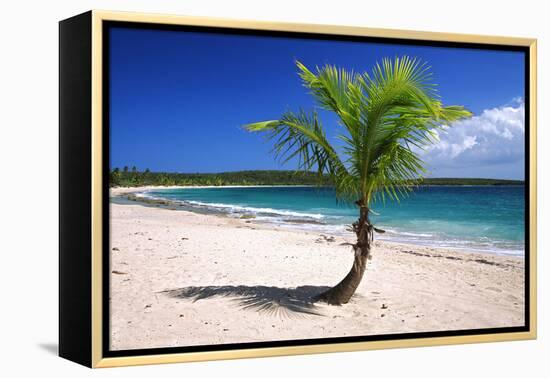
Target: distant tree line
column 469, row 181
column 132, row 177
column 129, row 177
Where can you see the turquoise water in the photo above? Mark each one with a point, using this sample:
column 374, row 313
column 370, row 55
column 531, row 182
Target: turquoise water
column 484, row 218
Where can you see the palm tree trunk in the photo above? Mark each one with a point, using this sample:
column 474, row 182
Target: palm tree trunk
column 341, row 293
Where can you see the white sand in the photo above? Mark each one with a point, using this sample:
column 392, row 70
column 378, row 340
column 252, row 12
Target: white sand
column 256, row 283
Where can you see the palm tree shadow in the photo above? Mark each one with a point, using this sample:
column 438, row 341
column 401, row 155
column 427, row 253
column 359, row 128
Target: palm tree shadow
column 271, row 300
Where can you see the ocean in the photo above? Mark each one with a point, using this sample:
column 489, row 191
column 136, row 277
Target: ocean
column 480, row 218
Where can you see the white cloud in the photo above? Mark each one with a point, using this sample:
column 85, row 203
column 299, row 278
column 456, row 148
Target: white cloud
column 494, row 137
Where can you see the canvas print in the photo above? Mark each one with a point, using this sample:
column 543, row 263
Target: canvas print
column 270, row 187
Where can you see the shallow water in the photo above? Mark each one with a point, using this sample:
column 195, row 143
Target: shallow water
column 483, row 218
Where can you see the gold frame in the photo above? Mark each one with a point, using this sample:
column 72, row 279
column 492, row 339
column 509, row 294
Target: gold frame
column 97, row 254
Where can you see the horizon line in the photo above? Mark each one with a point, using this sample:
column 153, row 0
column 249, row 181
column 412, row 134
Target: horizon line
column 130, row 170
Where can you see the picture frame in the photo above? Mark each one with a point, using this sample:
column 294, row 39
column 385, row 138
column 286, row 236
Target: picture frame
column 84, row 260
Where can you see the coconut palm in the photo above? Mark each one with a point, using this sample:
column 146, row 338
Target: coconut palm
column 387, row 117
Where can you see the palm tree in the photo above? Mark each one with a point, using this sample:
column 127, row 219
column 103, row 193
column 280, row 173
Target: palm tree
column 387, row 117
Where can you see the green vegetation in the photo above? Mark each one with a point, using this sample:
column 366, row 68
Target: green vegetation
column 469, row 181
column 385, row 117
column 146, row 177
column 128, row 179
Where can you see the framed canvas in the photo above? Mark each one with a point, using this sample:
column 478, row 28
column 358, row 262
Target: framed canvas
column 236, row 189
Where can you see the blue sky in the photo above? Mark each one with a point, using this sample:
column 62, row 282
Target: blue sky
column 178, row 100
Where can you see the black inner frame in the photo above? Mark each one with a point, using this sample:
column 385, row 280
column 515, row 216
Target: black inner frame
column 333, row 340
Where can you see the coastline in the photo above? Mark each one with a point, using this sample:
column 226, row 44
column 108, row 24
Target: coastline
column 182, row 278
column 120, row 190
column 132, row 189
column 298, row 220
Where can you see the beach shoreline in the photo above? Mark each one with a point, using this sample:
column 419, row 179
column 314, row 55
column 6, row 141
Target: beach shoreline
column 181, row 278
column 121, row 190
column 139, row 195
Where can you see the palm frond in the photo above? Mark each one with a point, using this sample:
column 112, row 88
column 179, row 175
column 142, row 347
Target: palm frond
column 402, row 111
column 388, row 115
column 333, row 90
column 301, row 136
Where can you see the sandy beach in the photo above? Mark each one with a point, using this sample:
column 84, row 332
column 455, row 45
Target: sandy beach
column 180, row 278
